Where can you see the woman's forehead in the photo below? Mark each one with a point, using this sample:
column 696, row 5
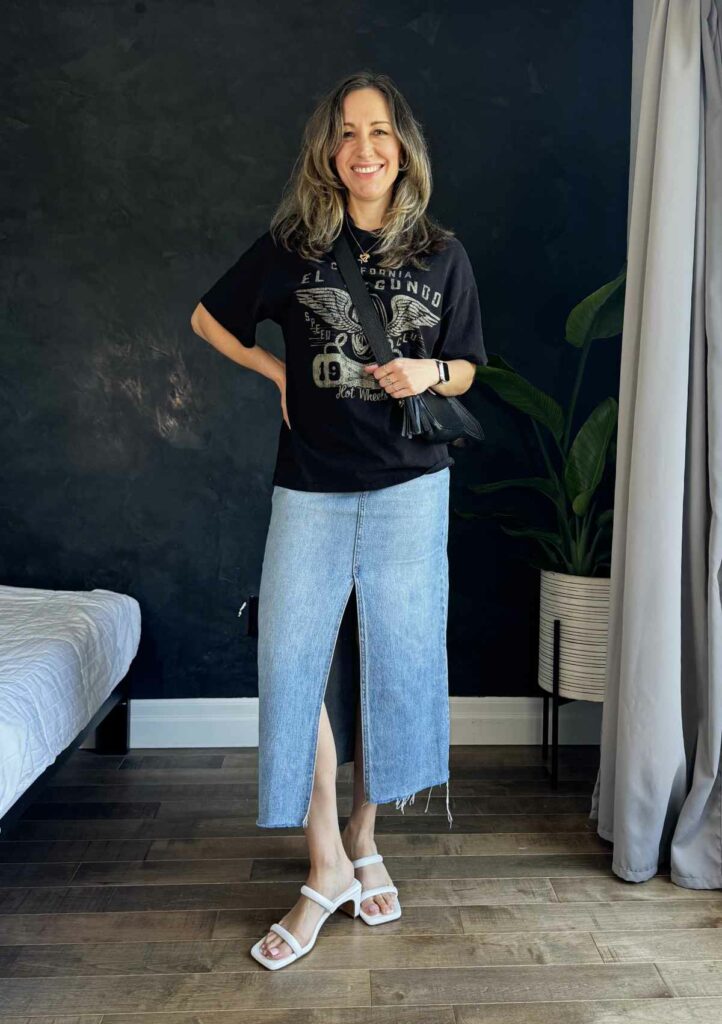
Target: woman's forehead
column 365, row 105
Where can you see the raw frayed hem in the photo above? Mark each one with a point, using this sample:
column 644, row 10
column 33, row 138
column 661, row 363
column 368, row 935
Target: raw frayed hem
column 401, row 802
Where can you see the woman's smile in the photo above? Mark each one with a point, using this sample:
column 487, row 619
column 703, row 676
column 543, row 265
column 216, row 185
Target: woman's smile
column 367, row 170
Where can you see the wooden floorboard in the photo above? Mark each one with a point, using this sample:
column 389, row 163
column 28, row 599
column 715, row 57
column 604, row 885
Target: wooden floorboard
column 133, row 888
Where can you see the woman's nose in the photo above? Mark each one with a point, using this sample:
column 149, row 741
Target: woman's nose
column 366, row 147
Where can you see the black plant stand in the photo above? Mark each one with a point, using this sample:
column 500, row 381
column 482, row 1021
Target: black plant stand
column 557, row 701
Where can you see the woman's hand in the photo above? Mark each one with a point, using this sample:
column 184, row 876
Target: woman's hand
column 281, row 381
column 403, row 377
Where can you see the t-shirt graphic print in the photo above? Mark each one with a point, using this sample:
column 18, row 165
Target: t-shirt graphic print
column 345, row 428
column 340, row 359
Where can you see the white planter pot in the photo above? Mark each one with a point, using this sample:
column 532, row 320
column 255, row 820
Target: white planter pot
column 581, row 603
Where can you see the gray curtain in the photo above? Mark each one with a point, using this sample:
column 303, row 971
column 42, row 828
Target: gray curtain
column 658, row 795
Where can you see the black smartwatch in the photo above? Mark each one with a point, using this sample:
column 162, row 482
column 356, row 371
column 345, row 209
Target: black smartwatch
column 443, row 372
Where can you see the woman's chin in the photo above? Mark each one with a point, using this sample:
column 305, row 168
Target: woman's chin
column 369, row 190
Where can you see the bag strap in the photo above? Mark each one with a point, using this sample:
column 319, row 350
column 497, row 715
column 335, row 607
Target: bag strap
column 366, row 311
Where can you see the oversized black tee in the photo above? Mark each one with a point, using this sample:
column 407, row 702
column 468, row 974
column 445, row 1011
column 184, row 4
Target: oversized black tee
column 345, row 430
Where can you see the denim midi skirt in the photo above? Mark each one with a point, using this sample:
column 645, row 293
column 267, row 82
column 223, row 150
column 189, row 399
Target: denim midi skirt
column 381, row 554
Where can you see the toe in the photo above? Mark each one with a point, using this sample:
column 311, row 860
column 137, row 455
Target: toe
column 370, row 906
column 274, row 947
column 390, row 899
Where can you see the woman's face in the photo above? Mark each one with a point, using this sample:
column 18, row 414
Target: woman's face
column 367, row 161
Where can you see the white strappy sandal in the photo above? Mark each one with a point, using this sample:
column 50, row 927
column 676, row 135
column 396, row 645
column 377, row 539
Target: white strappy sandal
column 352, row 896
column 380, row 918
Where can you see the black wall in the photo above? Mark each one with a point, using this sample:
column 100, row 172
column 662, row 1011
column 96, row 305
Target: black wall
column 148, row 144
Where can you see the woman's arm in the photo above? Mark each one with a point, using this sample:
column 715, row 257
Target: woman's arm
column 403, row 377
column 461, row 377
column 255, row 358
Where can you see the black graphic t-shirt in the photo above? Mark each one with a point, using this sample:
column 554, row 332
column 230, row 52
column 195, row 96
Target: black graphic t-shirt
column 345, row 429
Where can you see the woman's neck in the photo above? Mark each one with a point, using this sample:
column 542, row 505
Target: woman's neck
column 366, row 220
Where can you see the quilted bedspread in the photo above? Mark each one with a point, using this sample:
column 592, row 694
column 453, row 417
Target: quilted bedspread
column 62, row 652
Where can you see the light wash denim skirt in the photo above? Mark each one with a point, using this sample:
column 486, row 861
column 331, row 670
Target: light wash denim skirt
column 383, row 553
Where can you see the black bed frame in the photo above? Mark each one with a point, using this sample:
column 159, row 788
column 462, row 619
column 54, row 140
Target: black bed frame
column 111, row 723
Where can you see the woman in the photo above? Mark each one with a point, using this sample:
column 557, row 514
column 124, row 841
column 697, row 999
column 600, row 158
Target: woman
column 359, row 512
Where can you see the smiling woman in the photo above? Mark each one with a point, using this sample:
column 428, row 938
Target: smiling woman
column 359, row 515
column 368, row 159
column 363, row 122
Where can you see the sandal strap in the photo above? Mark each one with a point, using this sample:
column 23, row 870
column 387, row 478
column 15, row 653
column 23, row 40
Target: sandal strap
column 287, row 937
column 319, row 898
column 378, row 890
column 373, row 858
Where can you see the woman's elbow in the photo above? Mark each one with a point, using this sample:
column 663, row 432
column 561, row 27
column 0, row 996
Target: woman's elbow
column 197, row 320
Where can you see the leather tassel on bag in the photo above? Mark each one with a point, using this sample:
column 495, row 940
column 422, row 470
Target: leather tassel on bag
column 457, row 427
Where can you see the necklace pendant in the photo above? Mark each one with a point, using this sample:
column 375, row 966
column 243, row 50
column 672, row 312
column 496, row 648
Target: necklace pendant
column 364, row 257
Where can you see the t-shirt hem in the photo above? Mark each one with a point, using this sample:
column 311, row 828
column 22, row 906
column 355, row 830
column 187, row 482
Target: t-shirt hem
column 292, row 482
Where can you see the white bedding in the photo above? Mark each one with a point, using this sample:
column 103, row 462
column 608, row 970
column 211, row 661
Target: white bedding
column 61, row 653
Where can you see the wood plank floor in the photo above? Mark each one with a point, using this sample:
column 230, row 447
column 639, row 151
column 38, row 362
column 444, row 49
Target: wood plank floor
column 133, row 888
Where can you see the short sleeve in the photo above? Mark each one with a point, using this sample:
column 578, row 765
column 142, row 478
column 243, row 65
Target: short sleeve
column 237, row 299
column 460, row 334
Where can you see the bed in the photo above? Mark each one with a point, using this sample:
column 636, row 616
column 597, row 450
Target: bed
column 63, row 654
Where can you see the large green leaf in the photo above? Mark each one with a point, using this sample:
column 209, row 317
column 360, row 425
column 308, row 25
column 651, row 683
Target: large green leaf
column 599, row 315
column 538, row 483
column 585, row 462
column 535, row 533
column 550, row 541
column 490, row 514
column 522, row 394
column 500, row 362
column 496, row 362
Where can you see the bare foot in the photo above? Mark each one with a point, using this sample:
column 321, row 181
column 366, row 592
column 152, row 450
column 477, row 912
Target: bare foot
column 304, row 915
column 370, row 875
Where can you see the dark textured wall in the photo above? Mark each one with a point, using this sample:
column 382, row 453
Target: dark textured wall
column 148, row 145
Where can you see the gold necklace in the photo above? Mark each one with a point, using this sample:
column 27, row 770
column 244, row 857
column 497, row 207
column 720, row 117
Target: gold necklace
column 364, row 255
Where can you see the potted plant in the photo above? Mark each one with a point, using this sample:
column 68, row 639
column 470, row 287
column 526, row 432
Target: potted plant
column 575, row 537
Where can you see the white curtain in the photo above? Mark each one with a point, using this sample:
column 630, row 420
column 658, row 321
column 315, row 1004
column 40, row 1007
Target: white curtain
column 658, row 796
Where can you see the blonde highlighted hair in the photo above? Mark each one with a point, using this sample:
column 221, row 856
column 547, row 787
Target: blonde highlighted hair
column 312, row 208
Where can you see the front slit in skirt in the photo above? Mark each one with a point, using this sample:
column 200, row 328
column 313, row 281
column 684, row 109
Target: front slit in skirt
column 377, row 561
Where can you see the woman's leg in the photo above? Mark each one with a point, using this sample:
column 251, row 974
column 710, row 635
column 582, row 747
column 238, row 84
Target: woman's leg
column 331, row 870
column 358, row 835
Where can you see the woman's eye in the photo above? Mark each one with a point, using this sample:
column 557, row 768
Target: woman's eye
column 381, row 130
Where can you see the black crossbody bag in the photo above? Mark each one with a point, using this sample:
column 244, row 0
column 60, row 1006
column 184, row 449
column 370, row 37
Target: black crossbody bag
column 429, row 416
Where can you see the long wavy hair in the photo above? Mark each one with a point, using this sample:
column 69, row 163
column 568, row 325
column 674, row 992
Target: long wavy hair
column 312, row 208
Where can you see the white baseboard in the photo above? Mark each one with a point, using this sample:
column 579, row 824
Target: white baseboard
column 233, row 722
column 518, row 720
